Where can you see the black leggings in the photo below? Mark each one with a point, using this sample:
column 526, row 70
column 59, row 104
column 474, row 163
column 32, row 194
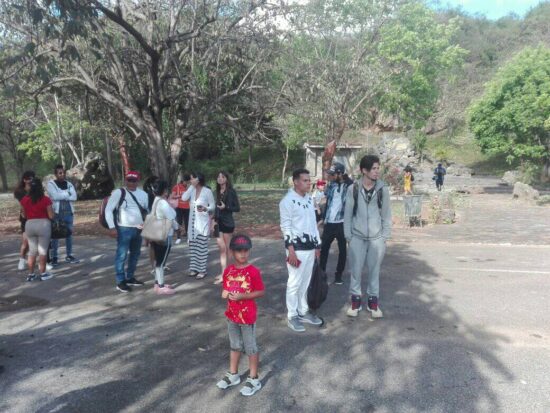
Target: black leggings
column 161, row 253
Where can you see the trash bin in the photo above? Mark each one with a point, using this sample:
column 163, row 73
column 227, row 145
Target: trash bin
column 413, row 209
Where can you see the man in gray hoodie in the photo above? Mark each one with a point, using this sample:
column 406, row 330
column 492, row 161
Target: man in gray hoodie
column 367, row 227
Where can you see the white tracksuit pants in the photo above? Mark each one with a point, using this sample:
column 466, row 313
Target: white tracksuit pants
column 298, row 282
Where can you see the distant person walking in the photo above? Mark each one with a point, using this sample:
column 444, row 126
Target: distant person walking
column 334, row 220
column 202, row 206
column 22, row 189
column 63, row 195
column 127, row 229
column 37, row 209
column 182, row 207
column 162, row 210
column 367, row 226
column 439, row 176
column 408, row 179
column 227, row 202
column 302, row 243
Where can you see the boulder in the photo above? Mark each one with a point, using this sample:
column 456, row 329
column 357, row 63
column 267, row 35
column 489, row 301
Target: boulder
column 92, row 179
column 459, row 170
column 447, row 216
column 524, row 191
column 511, row 177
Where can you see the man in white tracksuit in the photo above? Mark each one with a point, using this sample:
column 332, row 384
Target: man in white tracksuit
column 303, row 244
column 367, row 227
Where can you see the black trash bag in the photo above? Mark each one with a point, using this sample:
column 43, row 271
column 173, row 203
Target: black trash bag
column 60, row 230
column 318, row 287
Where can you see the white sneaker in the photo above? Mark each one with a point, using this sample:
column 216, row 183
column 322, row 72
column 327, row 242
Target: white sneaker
column 251, row 386
column 22, row 264
column 354, row 312
column 178, row 241
column 46, row 276
column 376, row 313
column 229, row 380
column 49, row 267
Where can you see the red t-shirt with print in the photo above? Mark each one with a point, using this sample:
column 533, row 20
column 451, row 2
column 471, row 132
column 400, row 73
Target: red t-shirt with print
column 242, row 280
column 38, row 210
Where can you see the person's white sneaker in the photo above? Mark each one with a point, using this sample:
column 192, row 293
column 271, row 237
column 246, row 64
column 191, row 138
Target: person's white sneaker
column 229, row 380
column 49, row 267
column 22, row 264
column 178, row 241
column 251, row 386
column 353, row 312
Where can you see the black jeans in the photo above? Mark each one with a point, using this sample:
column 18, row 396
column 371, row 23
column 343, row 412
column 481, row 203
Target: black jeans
column 330, row 232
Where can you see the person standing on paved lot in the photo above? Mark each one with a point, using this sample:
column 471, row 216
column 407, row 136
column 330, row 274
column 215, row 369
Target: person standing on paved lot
column 302, row 244
column 131, row 205
column 367, row 227
column 227, row 203
column 162, row 210
column 20, row 191
column 37, row 209
column 242, row 284
column 202, row 207
column 334, row 220
column 63, row 195
column 181, row 207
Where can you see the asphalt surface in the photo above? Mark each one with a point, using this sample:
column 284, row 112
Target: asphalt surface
column 466, row 329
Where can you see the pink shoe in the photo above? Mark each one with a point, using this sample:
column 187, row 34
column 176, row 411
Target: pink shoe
column 165, row 290
column 165, row 285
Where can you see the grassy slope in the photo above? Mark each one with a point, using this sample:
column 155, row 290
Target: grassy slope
column 463, row 149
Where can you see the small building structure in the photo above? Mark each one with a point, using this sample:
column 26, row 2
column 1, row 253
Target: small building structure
column 346, row 154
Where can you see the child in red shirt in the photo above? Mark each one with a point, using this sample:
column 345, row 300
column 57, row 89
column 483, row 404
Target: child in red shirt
column 242, row 284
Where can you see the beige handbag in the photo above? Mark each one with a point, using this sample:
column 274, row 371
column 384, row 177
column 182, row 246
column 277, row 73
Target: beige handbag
column 154, row 229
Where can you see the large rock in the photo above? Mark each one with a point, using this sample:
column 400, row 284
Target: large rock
column 459, row 170
column 511, row 177
column 92, row 179
column 524, row 191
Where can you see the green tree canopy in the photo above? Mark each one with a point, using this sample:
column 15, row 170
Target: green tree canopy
column 513, row 115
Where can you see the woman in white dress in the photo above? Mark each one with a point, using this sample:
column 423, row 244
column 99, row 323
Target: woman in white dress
column 202, row 206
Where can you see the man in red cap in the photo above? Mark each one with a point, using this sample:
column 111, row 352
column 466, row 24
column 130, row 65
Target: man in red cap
column 125, row 213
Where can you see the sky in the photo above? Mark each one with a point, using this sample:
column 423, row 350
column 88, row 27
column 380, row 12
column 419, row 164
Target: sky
column 493, row 9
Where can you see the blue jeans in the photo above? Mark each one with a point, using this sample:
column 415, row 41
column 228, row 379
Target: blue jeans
column 129, row 239
column 68, row 219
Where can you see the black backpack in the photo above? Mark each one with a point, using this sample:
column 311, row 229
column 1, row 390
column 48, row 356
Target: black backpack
column 356, row 197
column 318, row 287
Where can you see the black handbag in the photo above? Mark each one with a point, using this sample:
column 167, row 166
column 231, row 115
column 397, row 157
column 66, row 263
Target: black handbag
column 318, row 287
column 60, row 230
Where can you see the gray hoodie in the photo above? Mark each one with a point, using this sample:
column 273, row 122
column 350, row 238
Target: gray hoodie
column 370, row 221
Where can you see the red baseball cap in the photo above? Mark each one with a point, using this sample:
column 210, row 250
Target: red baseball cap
column 132, row 175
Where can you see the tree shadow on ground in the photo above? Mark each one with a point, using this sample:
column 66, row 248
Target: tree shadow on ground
column 95, row 350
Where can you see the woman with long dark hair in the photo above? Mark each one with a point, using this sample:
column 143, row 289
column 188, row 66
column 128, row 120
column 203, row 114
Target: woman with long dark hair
column 202, row 206
column 162, row 210
column 227, row 202
column 22, row 189
column 37, row 209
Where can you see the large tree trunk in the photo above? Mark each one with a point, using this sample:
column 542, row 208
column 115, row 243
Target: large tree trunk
column 328, row 155
column 123, row 155
column 546, row 171
column 3, row 174
column 157, row 152
column 285, row 157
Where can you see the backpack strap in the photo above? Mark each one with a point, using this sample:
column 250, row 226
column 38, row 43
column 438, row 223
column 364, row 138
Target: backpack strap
column 116, row 215
column 141, row 209
column 379, row 197
column 355, row 197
